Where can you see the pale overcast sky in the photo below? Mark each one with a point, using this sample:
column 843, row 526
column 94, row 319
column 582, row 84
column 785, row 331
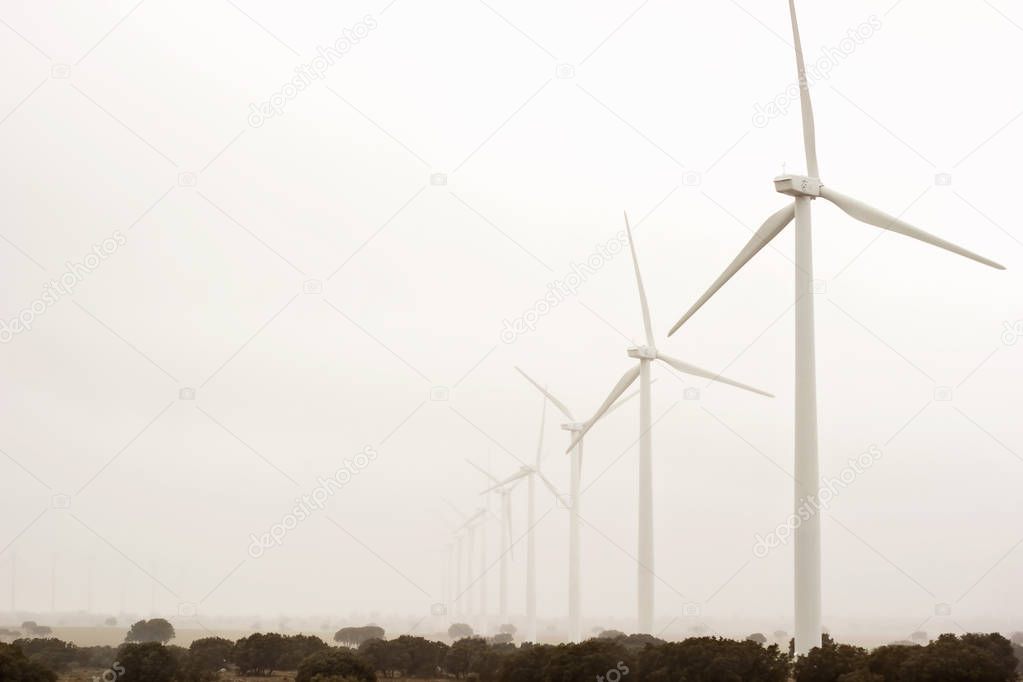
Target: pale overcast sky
column 281, row 290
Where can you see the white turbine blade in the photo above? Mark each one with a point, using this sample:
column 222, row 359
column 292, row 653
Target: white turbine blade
column 454, row 508
column 480, row 469
column 626, row 399
column 543, row 421
column 872, row 216
column 768, row 231
column 809, row 131
column 698, row 372
column 511, row 535
column 557, row 403
column 511, row 479
column 623, row 384
column 642, row 291
column 550, row 486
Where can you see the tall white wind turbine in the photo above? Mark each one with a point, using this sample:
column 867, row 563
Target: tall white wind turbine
column 646, row 355
column 530, row 473
column 573, row 505
column 807, row 543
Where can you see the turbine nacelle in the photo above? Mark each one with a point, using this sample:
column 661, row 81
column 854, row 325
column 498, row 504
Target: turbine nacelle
column 643, row 352
column 798, row 186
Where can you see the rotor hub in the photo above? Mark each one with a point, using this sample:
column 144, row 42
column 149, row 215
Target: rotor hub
column 798, row 186
column 643, row 352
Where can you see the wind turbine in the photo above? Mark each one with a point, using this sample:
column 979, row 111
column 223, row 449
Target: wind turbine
column 506, row 546
column 646, row 355
column 469, row 527
column 804, row 189
column 505, row 487
column 573, row 504
column 466, row 535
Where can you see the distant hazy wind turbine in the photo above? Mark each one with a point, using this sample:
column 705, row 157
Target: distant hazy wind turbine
column 646, row 355
column 573, row 504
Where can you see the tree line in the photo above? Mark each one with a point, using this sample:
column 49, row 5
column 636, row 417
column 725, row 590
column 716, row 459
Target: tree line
column 364, row 654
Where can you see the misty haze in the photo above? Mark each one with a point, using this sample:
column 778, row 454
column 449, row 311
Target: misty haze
column 510, row 341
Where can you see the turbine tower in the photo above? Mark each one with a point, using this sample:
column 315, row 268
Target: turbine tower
column 804, row 189
column 646, row 355
column 506, row 543
column 505, row 487
column 573, row 505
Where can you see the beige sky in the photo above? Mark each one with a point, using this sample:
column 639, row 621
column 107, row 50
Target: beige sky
column 314, row 277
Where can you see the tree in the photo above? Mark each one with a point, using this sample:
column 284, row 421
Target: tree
column 861, row 675
column 526, row 664
column 918, row 636
column 155, row 630
column 713, row 658
column 259, row 654
column 110, row 622
column 354, row 636
column 503, row 638
column 147, row 662
column 16, row 667
column 465, row 656
column 330, row 664
column 460, row 631
column 508, row 629
column 206, row 657
column 828, row 662
column 611, row 634
column 583, row 661
column 970, row 658
column 886, row 660
column 757, row 637
column 52, row 653
column 297, row 648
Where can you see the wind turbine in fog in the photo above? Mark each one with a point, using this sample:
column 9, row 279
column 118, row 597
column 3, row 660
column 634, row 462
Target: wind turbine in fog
column 646, row 355
column 504, row 493
column 575, row 477
column 805, row 189
column 505, row 487
column 468, row 530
